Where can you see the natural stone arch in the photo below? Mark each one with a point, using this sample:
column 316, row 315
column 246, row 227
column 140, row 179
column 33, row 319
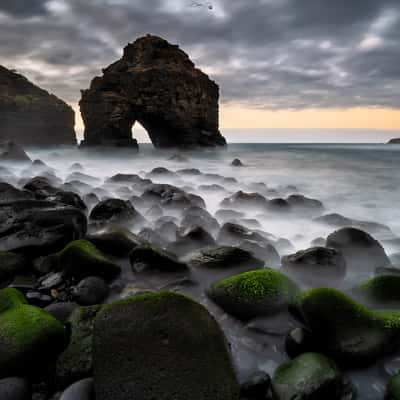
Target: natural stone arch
column 156, row 84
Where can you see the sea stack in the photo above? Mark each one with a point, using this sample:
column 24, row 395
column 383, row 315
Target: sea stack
column 156, row 84
column 394, row 141
column 30, row 116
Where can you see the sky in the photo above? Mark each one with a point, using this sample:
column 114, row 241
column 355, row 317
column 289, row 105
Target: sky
column 309, row 64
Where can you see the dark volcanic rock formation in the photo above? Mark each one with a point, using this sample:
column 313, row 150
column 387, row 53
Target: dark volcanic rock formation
column 156, row 84
column 30, row 116
column 394, row 141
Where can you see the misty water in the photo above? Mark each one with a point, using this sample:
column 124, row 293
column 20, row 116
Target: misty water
column 357, row 181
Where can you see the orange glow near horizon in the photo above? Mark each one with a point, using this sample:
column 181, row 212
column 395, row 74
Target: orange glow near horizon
column 241, row 117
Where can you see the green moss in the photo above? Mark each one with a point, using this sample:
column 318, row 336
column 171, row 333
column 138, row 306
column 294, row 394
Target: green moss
column 309, row 376
column 348, row 330
column 10, row 298
column 393, row 388
column 382, row 289
column 30, row 337
column 81, row 258
column 254, row 293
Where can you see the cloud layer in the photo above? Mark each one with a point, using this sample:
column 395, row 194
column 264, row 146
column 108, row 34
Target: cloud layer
column 270, row 54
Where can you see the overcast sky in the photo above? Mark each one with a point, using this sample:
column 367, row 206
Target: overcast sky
column 265, row 54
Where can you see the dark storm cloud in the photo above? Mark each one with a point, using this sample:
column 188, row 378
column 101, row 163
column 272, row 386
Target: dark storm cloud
column 265, row 53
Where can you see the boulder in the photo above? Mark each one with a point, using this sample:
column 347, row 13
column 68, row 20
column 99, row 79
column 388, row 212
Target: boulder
column 383, row 290
column 254, row 294
column 316, row 266
column 31, row 116
column 304, row 204
column 361, row 251
column 348, row 331
column 147, row 258
column 30, row 338
column 307, row 377
column 15, row 388
column 393, row 387
column 10, row 151
column 39, row 227
column 237, row 163
column 161, row 346
column 233, row 235
column 81, row 259
column 116, row 211
column 245, row 201
column 81, row 390
column 11, row 264
column 156, row 84
column 10, row 193
column 75, row 362
column 394, row 141
column 256, row 386
column 90, row 291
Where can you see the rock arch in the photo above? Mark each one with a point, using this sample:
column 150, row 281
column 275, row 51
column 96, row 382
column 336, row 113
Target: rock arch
column 156, row 84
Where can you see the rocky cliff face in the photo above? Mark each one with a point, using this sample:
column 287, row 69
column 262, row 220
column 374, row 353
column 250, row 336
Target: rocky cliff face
column 30, row 116
column 156, row 84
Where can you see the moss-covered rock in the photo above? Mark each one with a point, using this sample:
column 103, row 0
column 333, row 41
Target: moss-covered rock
column 310, row 376
column 383, row 289
column 160, row 346
column 348, row 331
column 30, row 338
column 75, row 362
column 254, row 293
column 393, row 388
column 81, row 259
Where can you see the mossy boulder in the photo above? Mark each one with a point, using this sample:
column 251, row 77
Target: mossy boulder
column 254, row 294
column 383, row 290
column 161, row 346
column 10, row 265
column 80, row 259
column 310, row 376
column 393, row 388
column 348, row 331
column 75, row 362
column 30, row 338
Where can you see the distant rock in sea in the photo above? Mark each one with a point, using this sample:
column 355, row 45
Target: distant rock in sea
column 9, row 151
column 156, row 84
column 394, row 141
column 30, row 116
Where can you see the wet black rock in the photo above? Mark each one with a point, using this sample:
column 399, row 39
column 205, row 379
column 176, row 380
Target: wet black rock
column 189, row 171
column 278, row 206
column 39, row 227
column 10, row 265
column 116, row 211
column 124, row 178
column 76, row 167
column 191, row 239
column 81, row 390
column 224, row 258
column 197, row 216
column 233, row 235
column 161, row 171
column 237, row 163
column 79, row 176
column 41, row 187
column 156, row 192
column 256, row 386
column 264, row 252
column 168, row 230
column 90, row 291
column 361, row 251
column 214, row 188
column 228, row 215
column 10, row 151
column 62, row 310
column 245, row 201
column 10, row 193
column 340, row 221
column 305, row 204
column 171, row 333
column 14, row 388
column 149, row 235
column 68, row 198
column 316, row 266
column 147, row 258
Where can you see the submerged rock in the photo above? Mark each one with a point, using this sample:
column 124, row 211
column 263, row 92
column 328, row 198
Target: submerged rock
column 245, row 201
column 156, row 84
column 254, row 294
column 31, row 116
column 237, row 163
column 361, row 251
column 10, row 151
column 307, row 377
column 180, row 352
column 317, row 266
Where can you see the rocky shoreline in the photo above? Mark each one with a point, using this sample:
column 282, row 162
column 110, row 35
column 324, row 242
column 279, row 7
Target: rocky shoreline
column 129, row 287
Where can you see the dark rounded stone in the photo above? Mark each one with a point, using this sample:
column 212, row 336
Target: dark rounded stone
column 256, row 386
column 14, row 389
column 10, row 193
column 90, row 291
column 237, row 163
column 317, row 266
column 245, row 201
column 62, row 310
column 68, row 198
column 81, row 390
